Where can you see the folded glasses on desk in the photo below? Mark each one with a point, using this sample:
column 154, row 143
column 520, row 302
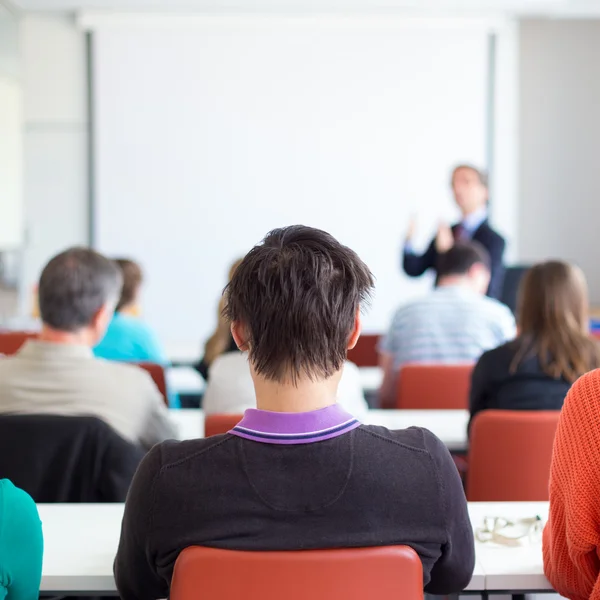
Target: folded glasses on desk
column 505, row 532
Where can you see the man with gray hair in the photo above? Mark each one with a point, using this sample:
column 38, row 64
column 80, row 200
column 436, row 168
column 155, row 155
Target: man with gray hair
column 58, row 373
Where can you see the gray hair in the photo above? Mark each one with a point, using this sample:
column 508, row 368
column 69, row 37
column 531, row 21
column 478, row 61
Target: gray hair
column 74, row 286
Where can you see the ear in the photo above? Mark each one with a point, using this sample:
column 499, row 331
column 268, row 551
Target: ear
column 355, row 331
column 240, row 335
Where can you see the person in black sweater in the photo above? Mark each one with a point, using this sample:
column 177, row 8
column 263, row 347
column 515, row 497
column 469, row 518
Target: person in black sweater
column 298, row 472
column 553, row 348
column 470, row 188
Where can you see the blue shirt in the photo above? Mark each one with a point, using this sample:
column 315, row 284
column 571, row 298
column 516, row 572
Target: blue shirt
column 452, row 324
column 129, row 339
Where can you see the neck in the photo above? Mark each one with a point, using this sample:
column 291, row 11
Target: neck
column 472, row 211
column 454, row 281
column 130, row 310
column 83, row 337
column 305, row 396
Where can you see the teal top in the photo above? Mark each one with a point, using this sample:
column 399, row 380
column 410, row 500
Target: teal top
column 21, row 544
column 129, row 339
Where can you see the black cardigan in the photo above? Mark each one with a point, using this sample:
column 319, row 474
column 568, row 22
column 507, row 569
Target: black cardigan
column 529, row 388
column 368, row 487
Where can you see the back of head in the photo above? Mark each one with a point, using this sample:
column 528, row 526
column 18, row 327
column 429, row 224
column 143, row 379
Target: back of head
column 553, row 320
column 296, row 296
column 132, row 280
column 467, row 260
column 74, row 286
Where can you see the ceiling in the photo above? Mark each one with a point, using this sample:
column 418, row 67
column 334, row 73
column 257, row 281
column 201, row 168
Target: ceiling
column 567, row 8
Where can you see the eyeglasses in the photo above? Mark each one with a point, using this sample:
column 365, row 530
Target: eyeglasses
column 510, row 533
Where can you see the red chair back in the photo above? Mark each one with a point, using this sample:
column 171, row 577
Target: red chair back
column 510, row 454
column 387, row 573
column 216, row 424
column 365, row 354
column 157, row 372
column 11, row 341
column 435, row 386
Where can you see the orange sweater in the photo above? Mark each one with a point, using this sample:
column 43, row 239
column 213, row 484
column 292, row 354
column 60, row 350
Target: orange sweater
column 572, row 534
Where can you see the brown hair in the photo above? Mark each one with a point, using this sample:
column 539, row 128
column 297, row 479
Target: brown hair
column 220, row 340
column 132, row 279
column 459, row 259
column 481, row 175
column 297, row 294
column 553, row 321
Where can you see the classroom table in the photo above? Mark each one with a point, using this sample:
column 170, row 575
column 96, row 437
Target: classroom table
column 186, row 380
column 449, row 425
column 81, row 540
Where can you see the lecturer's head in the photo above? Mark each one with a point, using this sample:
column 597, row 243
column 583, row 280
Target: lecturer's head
column 470, row 188
column 78, row 292
column 294, row 305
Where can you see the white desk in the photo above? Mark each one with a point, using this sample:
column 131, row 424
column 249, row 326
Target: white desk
column 520, row 569
column 81, row 541
column 186, row 380
column 449, row 425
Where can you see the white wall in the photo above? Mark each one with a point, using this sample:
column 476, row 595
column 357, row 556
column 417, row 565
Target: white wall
column 54, row 89
column 560, row 143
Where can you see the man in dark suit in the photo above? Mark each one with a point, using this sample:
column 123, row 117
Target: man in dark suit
column 470, row 189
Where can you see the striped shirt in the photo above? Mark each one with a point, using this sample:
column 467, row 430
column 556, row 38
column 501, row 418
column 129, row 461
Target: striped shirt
column 452, row 324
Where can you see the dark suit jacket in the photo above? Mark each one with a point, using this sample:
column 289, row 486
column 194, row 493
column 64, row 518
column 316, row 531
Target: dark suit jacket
column 415, row 265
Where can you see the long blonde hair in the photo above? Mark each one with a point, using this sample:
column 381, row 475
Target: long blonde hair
column 554, row 321
column 220, row 340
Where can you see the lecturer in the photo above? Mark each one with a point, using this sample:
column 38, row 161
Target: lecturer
column 470, row 189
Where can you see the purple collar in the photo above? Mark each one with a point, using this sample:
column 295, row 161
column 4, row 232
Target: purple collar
column 295, row 428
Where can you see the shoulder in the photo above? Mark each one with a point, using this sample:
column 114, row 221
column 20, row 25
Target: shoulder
column 499, row 357
column 123, row 373
column 415, row 439
column 14, row 499
column 495, row 307
column 487, row 231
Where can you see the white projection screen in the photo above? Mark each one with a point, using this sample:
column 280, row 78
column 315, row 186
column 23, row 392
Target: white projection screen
column 208, row 136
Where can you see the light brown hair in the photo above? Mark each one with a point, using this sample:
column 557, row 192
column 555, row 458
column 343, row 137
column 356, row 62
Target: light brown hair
column 132, row 279
column 481, row 175
column 553, row 321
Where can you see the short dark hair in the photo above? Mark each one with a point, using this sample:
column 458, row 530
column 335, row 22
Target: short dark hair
column 74, row 285
column 297, row 294
column 132, row 279
column 481, row 175
column 461, row 257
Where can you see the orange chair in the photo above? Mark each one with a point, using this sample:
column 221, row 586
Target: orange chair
column 11, row 341
column 435, row 386
column 364, row 354
column 216, row 424
column 386, row 573
column 157, row 372
column 510, row 454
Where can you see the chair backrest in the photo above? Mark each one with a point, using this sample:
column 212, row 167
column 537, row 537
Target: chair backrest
column 216, row 424
column 66, row 459
column 364, row 354
column 436, row 386
column 11, row 341
column 157, row 372
column 510, row 454
column 386, row 573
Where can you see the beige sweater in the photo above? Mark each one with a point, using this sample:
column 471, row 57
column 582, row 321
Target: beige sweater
column 62, row 379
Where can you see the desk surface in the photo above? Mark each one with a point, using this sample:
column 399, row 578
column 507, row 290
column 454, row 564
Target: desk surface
column 81, row 541
column 449, row 425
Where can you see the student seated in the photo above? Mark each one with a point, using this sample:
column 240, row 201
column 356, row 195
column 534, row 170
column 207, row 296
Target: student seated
column 58, row 373
column 21, row 544
column 571, row 542
column 127, row 337
column 230, row 389
column 454, row 323
column 220, row 341
column 553, row 348
column 299, row 472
